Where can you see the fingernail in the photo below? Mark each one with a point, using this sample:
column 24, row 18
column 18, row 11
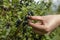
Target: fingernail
column 29, row 17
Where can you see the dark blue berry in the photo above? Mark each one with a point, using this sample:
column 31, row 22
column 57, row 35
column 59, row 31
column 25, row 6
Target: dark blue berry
column 7, row 25
column 6, row 9
column 18, row 22
column 24, row 30
column 24, row 23
column 26, row 18
column 30, row 13
column 26, row 37
column 27, row 4
column 21, row 2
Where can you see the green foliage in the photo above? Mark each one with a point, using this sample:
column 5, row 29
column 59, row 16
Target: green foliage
column 13, row 19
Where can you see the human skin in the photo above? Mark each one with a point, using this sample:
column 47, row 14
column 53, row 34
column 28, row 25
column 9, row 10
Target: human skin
column 45, row 25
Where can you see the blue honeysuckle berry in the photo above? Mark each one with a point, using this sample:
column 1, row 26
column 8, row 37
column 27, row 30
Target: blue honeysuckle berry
column 18, row 22
column 6, row 9
column 21, row 2
column 30, row 13
column 7, row 25
column 24, row 23
column 27, row 4
column 26, row 18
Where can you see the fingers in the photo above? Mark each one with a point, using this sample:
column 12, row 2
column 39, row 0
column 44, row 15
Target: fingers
column 36, row 17
column 36, row 25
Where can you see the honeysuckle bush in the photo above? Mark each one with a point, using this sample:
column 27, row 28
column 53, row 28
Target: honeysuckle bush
column 14, row 21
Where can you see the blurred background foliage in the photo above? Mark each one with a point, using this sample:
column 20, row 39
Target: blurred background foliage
column 13, row 19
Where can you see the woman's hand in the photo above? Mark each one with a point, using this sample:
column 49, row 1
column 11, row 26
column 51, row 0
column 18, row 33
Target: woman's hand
column 46, row 24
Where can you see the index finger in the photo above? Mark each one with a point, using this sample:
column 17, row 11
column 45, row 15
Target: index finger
column 36, row 17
